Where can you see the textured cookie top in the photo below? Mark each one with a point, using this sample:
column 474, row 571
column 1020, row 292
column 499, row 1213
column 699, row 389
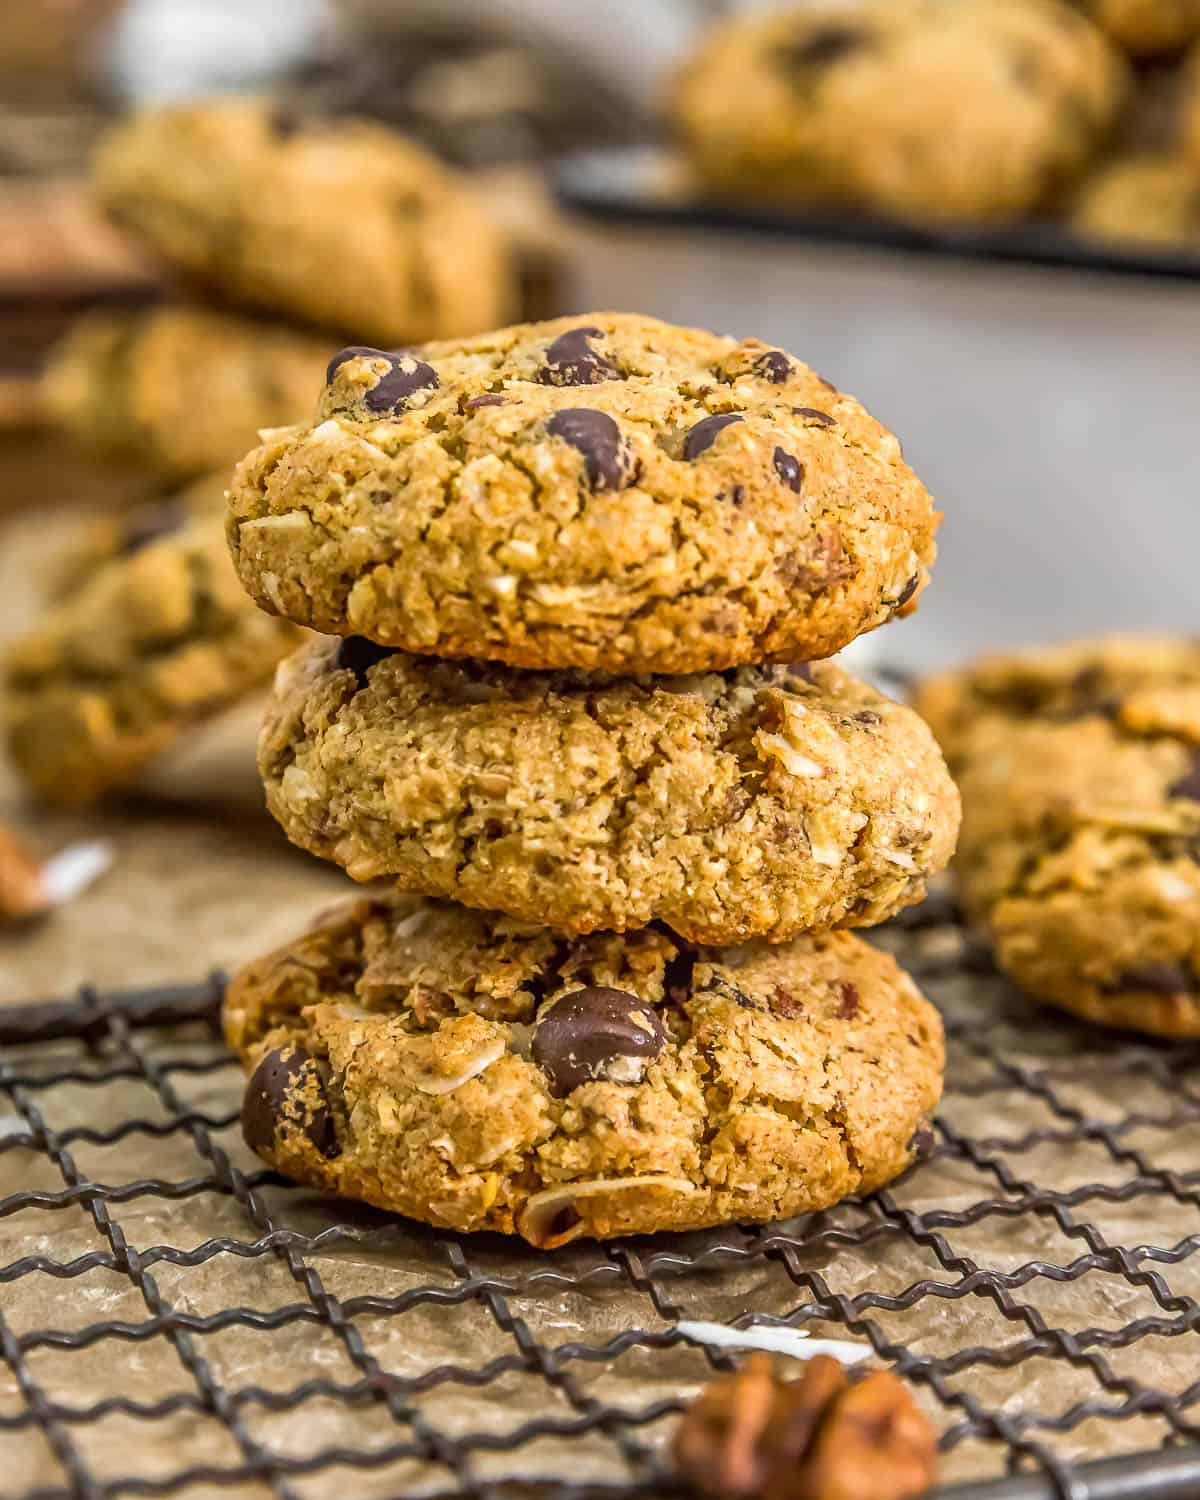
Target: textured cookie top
column 756, row 803
column 159, row 637
column 177, row 389
column 336, row 222
column 918, row 108
column 605, row 491
column 479, row 1074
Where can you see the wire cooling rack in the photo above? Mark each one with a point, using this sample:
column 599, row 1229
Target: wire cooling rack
column 174, row 1320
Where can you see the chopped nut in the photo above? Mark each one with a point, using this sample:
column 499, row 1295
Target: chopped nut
column 814, row 1438
column 23, row 893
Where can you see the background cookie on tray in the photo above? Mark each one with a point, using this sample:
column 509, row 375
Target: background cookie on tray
column 606, row 491
column 756, row 803
column 477, row 1074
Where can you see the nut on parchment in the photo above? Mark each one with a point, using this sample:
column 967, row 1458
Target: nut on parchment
column 23, row 892
column 819, row 1437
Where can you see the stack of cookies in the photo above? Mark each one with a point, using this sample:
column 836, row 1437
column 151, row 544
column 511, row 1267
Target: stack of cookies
column 575, row 581
column 222, row 194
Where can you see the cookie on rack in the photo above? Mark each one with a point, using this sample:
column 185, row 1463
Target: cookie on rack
column 158, row 640
column 910, row 108
column 607, row 492
column 1151, row 197
column 1079, row 769
column 335, row 222
column 180, row 390
column 477, row 1074
column 760, row 802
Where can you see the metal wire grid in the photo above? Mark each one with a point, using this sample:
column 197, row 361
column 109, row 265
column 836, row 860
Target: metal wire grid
column 404, row 1361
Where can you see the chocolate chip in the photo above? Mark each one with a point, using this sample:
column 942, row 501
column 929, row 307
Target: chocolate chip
column 151, row 524
column 848, row 1006
column 1188, row 785
column 285, row 121
column 736, row 496
column 359, row 655
column 570, row 360
column 590, row 1033
column 477, row 401
column 813, row 415
column 280, row 1090
column 774, row 366
column 909, row 589
column 606, row 453
column 828, row 45
column 789, row 469
column 923, row 1142
column 405, row 376
column 1157, row 977
column 704, row 433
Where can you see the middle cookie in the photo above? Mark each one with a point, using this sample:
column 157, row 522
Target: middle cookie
column 759, row 802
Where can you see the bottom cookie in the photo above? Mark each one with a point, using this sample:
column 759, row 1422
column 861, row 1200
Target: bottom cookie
column 475, row 1073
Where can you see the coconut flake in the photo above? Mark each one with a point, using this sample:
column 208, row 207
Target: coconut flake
column 437, row 1083
column 784, row 751
column 290, row 520
column 775, row 1339
column 536, row 1220
column 69, row 873
column 897, row 857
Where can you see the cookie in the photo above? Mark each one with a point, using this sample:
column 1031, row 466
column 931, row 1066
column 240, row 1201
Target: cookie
column 916, row 109
column 1189, row 108
column 1147, row 28
column 465, row 1070
column 180, row 390
column 758, row 803
column 1152, row 198
column 606, row 492
column 1080, row 849
column 156, row 641
column 340, row 223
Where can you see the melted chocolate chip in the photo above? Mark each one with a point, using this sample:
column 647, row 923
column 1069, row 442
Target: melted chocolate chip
column 607, row 457
column 405, row 376
column 352, row 351
column 811, row 414
column 360, row 655
column 826, row 46
column 586, row 1035
column 1157, row 977
column 702, row 436
column 774, row 366
column 909, row 589
column 789, row 469
column 1188, row 785
column 151, row 524
column 848, row 1004
column 281, row 1090
column 571, row 361
column 923, row 1142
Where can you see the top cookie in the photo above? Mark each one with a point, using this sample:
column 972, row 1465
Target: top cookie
column 604, row 491
column 335, row 222
column 913, row 108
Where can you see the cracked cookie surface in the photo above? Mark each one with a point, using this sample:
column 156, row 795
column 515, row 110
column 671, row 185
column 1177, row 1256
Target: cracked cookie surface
column 917, row 109
column 605, row 491
column 340, row 223
column 180, row 390
column 1079, row 767
column 477, row 1074
column 758, row 803
column 158, row 639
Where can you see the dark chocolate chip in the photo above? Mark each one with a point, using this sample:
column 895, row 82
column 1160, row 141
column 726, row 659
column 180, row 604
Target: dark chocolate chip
column 1157, row 977
column 923, row 1142
column 151, row 524
column 606, row 453
column 789, row 469
column 360, row 655
column 848, row 1005
column 281, row 1090
column 571, row 361
column 285, row 121
column 736, row 496
column 585, row 1035
column 478, row 401
column 405, row 376
column 827, row 45
column 1188, row 785
column 909, row 589
column 774, row 366
column 704, row 433
column 813, row 415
